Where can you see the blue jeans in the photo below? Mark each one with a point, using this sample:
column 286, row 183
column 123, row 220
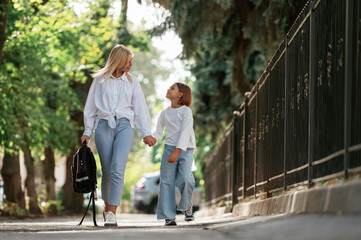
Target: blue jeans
column 171, row 175
column 113, row 147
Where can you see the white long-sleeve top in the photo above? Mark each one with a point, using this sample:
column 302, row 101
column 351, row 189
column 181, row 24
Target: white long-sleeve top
column 179, row 125
column 116, row 97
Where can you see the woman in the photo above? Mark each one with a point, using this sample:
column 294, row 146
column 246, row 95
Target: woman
column 115, row 103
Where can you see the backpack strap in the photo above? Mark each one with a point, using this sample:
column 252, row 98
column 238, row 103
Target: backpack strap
column 90, row 200
column 94, row 212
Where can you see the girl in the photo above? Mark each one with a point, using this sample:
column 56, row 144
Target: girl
column 114, row 104
column 177, row 158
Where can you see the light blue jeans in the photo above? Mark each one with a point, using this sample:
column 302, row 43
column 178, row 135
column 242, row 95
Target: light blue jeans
column 171, row 175
column 113, row 147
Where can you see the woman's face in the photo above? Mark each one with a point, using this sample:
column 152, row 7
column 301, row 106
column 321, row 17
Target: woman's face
column 128, row 66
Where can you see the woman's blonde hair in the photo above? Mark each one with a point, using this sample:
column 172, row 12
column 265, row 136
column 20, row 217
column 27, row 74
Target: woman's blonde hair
column 118, row 57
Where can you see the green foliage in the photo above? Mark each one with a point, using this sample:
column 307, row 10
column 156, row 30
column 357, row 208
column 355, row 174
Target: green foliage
column 12, row 209
column 47, row 48
column 46, row 205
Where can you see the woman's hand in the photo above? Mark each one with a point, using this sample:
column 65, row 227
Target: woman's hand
column 172, row 158
column 85, row 138
column 149, row 140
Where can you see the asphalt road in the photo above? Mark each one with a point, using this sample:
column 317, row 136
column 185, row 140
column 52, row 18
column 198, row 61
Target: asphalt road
column 138, row 226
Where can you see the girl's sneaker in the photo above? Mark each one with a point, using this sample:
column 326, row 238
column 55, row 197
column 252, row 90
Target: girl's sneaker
column 170, row 222
column 188, row 214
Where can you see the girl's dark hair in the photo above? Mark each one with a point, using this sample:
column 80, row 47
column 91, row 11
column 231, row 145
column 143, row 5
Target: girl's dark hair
column 186, row 99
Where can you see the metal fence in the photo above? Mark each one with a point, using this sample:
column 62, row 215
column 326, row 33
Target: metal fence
column 2, row 196
column 301, row 124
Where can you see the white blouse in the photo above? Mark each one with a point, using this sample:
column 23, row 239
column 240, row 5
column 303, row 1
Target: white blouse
column 179, row 125
column 116, row 97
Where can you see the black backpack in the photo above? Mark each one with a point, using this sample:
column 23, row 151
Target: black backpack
column 84, row 175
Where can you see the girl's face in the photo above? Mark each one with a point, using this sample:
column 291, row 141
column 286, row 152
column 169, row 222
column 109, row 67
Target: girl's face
column 173, row 92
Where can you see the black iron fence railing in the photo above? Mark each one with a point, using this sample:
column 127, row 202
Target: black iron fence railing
column 301, row 123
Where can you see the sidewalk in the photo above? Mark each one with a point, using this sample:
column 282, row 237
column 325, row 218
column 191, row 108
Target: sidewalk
column 332, row 200
column 145, row 227
column 125, row 221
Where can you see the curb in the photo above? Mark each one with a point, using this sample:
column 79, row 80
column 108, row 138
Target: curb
column 342, row 198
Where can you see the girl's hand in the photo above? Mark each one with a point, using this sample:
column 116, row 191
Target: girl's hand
column 85, row 138
column 172, row 158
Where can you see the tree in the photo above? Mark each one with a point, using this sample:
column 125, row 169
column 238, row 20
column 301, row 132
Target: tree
column 46, row 49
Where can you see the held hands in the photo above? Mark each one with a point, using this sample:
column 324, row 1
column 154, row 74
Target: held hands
column 172, row 158
column 85, row 138
column 149, row 140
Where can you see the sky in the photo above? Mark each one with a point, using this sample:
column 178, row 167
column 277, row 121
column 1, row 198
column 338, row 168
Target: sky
column 170, row 43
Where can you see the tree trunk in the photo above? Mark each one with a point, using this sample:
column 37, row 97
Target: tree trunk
column 49, row 174
column 29, row 181
column 243, row 85
column 72, row 201
column 124, row 11
column 4, row 4
column 12, row 179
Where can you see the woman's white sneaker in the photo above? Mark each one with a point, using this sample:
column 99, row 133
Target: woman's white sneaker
column 110, row 219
